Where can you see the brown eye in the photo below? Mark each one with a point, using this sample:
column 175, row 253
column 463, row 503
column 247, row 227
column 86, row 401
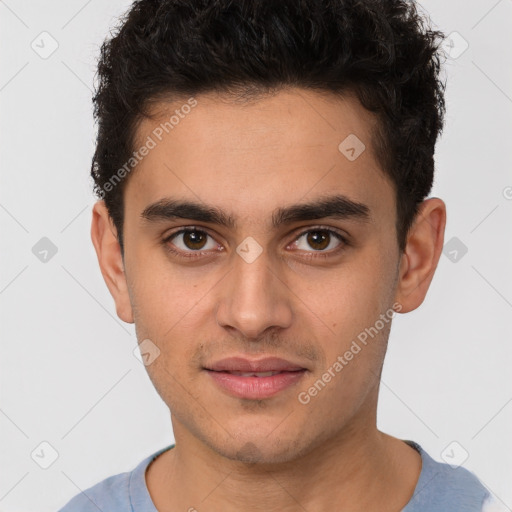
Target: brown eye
column 191, row 240
column 319, row 240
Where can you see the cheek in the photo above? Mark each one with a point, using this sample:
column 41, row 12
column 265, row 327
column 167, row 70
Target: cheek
column 173, row 327
column 352, row 296
column 164, row 296
column 350, row 304
column 352, row 368
column 164, row 314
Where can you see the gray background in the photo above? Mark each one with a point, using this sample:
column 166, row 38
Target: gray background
column 69, row 376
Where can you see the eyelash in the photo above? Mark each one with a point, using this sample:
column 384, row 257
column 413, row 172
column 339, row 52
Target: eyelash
column 314, row 254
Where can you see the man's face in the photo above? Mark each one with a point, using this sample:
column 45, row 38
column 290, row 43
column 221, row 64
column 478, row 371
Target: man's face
column 293, row 290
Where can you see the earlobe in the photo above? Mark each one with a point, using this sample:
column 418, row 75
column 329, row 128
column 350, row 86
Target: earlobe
column 421, row 256
column 108, row 251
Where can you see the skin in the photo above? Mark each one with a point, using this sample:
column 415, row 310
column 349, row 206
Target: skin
column 274, row 454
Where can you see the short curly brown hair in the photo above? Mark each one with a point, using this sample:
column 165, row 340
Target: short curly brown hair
column 382, row 50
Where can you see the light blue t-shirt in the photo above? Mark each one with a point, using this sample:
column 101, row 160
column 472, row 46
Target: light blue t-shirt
column 440, row 488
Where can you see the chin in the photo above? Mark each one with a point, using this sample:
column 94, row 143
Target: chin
column 260, row 449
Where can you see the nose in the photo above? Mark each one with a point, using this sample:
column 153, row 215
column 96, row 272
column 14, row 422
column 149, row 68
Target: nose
column 254, row 298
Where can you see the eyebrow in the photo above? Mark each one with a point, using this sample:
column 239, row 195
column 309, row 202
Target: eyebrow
column 336, row 207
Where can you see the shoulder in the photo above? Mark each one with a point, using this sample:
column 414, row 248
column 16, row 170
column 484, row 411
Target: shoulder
column 122, row 492
column 105, row 495
column 445, row 487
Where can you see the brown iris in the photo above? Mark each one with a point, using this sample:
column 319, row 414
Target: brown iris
column 318, row 239
column 194, row 239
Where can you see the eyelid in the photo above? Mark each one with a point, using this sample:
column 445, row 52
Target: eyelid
column 320, row 227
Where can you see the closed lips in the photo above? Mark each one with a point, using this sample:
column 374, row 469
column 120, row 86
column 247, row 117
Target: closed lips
column 255, row 374
column 259, row 368
column 254, row 379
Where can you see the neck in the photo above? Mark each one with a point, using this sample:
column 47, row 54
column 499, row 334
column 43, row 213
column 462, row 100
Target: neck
column 359, row 469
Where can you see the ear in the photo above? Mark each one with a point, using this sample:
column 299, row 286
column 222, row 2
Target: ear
column 421, row 255
column 108, row 250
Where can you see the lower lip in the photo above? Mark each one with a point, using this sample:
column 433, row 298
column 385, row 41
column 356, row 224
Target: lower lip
column 255, row 388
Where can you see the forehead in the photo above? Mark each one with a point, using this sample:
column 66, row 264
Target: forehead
column 252, row 157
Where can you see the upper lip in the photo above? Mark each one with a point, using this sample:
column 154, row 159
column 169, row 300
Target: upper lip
column 241, row 364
